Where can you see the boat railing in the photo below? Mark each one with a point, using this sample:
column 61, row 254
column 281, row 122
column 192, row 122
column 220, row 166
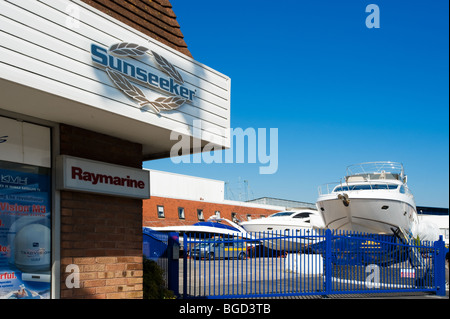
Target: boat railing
column 375, row 170
column 372, row 175
column 344, row 186
column 328, row 188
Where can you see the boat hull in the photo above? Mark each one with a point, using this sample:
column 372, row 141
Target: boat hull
column 290, row 243
column 369, row 215
column 288, row 233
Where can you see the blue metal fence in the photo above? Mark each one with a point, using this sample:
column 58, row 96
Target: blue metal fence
column 163, row 248
column 309, row 263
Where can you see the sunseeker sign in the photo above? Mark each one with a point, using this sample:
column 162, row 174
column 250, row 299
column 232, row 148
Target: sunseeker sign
column 118, row 62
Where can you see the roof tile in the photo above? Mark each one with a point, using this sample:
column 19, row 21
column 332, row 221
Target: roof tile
column 154, row 18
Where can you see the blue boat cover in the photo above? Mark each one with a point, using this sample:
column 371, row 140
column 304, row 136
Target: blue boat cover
column 216, row 225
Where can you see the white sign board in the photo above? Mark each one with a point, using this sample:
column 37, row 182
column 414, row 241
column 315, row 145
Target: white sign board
column 78, row 174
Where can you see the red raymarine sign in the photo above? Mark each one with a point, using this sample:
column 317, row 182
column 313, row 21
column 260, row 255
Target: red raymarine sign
column 97, row 177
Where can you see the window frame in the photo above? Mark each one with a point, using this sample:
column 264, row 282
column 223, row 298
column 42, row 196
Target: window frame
column 158, row 207
column 200, row 215
column 183, row 214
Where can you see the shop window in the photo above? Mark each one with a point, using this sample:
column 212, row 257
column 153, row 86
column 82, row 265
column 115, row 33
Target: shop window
column 161, row 211
column 200, row 215
column 25, row 210
column 181, row 213
column 25, row 231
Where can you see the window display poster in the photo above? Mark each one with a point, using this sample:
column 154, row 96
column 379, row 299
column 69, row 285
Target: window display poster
column 25, row 224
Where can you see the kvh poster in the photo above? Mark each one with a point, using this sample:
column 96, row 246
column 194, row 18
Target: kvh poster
column 25, row 241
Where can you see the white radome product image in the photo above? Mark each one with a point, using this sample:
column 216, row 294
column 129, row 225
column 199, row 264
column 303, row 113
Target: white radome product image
column 32, row 248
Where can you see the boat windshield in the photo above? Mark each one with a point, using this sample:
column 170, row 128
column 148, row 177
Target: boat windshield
column 302, row 215
column 365, row 187
column 282, row 214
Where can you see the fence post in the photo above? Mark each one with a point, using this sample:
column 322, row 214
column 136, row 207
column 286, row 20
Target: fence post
column 173, row 258
column 328, row 266
column 439, row 268
column 185, row 256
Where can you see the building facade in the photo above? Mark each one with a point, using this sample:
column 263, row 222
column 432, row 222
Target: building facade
column 185, row 200
column 90, row 89
column 163, row 211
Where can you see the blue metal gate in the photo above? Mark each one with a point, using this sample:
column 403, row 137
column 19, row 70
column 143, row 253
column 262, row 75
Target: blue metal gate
column 163, row 248
column 309, row 263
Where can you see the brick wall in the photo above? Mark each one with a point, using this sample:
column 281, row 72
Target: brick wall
column 100, row 234
column 150, row 212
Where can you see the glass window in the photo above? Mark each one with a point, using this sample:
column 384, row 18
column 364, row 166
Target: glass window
column 160, row 211
column 302, row 215
column 282, row 214
column 365, row 187
column 181, row 212
column 384, row 186
column 200, row 214
column 25, row 231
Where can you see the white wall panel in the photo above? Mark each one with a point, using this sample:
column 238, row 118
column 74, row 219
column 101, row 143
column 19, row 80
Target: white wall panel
column 40, row 48
column 25, row 143
column 165, row 184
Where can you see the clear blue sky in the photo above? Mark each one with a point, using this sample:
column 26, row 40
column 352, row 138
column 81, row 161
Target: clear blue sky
column 338, row 92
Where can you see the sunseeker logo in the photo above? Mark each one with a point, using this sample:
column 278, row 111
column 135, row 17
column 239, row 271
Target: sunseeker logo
column 122, row 73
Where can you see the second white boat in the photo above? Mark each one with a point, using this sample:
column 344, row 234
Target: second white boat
column 289, row 231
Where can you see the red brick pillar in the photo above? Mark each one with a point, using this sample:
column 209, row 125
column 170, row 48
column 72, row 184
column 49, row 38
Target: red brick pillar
column 101, row 235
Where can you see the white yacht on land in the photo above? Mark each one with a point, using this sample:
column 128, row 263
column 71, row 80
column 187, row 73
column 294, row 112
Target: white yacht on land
column 289, row 231
column 373, row 198
column 294, row 219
